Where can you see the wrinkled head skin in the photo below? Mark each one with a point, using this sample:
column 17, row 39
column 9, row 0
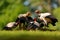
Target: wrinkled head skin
column 37, row 11
column 28, row 13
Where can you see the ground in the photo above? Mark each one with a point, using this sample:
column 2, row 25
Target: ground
column 29, row 35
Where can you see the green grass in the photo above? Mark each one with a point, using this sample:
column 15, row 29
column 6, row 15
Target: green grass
column 29, row 35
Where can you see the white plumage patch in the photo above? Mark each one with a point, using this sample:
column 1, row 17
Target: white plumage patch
column 11, row 24
column 44, row 14
column 36, row 23
column 22, row 15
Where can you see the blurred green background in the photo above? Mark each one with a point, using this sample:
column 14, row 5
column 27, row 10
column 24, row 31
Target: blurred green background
column 10, row 9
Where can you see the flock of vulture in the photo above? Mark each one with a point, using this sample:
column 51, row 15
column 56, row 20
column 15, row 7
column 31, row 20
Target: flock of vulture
column 27, row 21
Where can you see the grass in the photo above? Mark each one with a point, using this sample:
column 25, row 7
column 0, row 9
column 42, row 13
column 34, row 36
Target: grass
column 29, row 35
